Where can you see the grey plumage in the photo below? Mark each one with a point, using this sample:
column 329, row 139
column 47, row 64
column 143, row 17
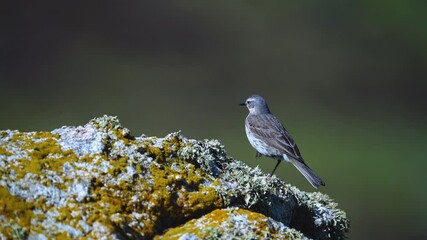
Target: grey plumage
column 268, row 136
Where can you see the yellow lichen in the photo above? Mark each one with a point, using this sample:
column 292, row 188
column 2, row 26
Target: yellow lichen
column 16, row 210
column 216, row 219
column 173, row 189
column 164, row 196
column 4, row 152
column 156, row 152
column 257, row 218
column 118, row 166
column 43, row 151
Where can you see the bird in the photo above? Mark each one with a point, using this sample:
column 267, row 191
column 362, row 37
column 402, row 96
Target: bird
column 270, row 138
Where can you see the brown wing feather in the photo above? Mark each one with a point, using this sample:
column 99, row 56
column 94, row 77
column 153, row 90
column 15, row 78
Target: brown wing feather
column 272, row 131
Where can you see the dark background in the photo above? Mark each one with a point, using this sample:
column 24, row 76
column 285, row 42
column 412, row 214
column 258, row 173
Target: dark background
column 347, row 79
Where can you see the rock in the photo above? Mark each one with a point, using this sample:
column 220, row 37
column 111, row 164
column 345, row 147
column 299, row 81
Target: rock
column 98, row 181
column 232, row 223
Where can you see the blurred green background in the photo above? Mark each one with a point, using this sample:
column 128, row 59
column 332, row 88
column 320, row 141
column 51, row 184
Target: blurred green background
column 347, row 79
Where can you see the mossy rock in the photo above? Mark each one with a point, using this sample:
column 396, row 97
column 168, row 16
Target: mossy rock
column 99, row 181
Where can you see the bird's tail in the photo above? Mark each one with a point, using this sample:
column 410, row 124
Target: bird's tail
column 314, row 180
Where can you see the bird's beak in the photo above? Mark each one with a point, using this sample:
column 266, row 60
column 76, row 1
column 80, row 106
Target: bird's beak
column 242, row 104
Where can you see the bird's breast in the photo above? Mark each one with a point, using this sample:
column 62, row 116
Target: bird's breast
column 260, row 145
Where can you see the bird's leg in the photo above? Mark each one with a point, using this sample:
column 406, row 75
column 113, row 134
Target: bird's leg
column 278, row 162
column 258, row 155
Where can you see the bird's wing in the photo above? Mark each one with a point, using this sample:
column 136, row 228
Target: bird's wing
column 268, row 128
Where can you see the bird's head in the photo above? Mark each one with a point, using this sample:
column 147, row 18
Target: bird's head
column 256, row 105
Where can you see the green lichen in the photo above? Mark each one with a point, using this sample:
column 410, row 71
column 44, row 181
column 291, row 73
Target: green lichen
column 106, row 123
column 318, row 215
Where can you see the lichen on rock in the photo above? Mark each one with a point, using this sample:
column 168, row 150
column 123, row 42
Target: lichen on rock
column 233, row 223
column 98, row 181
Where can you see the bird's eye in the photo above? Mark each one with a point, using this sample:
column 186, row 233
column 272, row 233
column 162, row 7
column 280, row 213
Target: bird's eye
column 247, row 102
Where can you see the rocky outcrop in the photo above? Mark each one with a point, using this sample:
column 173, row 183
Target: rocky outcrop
column 98, row 181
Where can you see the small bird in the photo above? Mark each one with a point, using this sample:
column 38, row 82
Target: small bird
column 269, row 138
